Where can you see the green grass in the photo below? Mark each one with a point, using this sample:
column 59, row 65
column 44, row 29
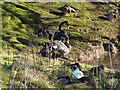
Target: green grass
column 5, row 75
column 20, row 20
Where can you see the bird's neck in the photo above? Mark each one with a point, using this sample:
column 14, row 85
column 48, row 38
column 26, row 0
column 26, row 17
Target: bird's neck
column 60, row 26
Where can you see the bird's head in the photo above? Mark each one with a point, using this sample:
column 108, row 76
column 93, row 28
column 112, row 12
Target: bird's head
column 68, row 25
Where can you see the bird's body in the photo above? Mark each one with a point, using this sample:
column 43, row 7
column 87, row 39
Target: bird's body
column 68, row 9
column 61, row 33
column 112, row 15
column 55, row 34
column 55, row 49
column 60, row 46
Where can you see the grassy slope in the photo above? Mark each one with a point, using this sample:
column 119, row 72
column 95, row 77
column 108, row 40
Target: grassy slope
column 21, row 19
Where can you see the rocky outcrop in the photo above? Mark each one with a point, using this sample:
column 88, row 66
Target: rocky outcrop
column 97, row 51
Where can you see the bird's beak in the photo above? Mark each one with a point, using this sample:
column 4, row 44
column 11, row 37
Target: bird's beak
column 68, row 26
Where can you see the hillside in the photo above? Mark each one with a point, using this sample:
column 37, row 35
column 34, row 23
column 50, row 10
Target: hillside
column 22, row 25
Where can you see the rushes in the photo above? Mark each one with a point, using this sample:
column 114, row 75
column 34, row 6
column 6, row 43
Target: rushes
column 111, row 66
column 105, row 81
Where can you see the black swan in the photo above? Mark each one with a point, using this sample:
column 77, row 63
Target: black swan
column 68, row 9
column 54, row 34
column 112, row 15
column 59, row 45
column 55, row 49
column 61, row 33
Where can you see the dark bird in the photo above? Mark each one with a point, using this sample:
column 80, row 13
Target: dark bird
column 57, row 35
column 75, row 64
column 59, row 45
column 45, row 51
column 112, row 15
column 55, row 49
column 97, row 69
column 62, row 34
column 68, row 9
column 65, row 80
column 50, row 33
